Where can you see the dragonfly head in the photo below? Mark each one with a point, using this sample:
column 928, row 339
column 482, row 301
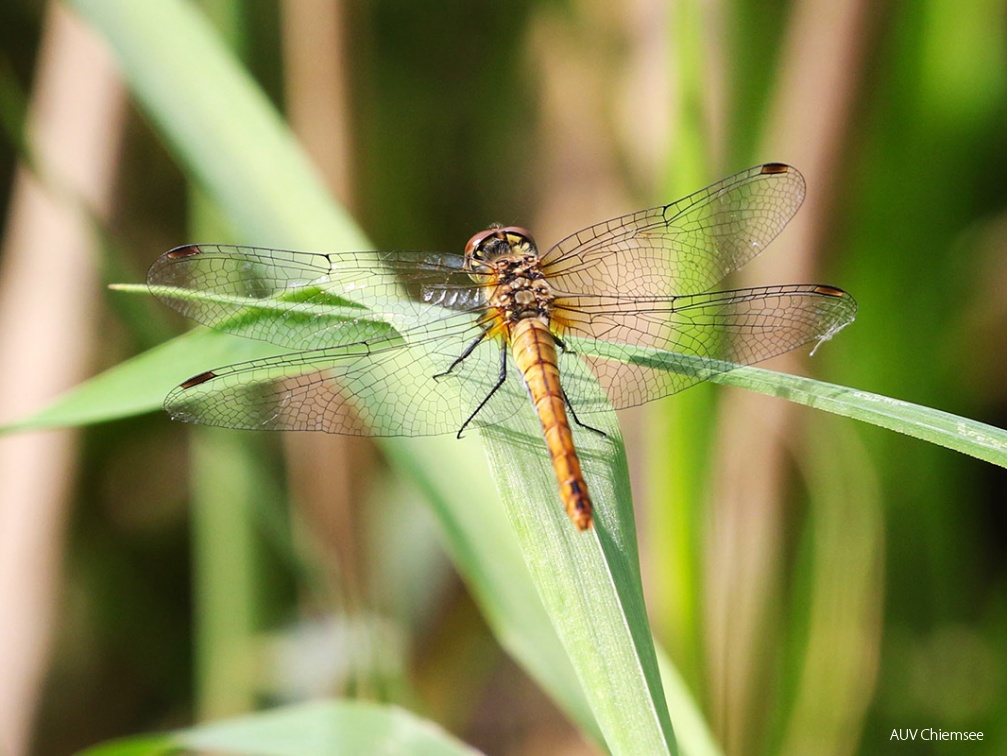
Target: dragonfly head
column 488, row 246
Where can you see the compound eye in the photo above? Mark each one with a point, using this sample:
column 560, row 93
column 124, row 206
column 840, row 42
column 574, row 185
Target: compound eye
column 474, row 247
column 524, row 233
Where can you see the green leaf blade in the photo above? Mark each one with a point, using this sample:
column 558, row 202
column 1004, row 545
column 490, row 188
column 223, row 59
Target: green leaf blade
column 318, row 728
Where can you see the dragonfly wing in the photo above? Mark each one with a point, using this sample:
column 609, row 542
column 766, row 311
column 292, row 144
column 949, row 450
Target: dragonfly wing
column 712, row 332
column 683, row 248
column 379, row 388
column 302, row 300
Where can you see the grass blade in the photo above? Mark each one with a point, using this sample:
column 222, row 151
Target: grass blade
column 320, row 727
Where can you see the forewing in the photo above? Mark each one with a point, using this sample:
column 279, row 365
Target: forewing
column 717, row 330
column 302, row 300
column 683, row 248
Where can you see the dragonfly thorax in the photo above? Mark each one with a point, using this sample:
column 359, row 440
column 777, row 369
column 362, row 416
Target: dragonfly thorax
column 520, row 290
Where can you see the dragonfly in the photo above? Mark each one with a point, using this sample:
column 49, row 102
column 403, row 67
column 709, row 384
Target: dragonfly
column 413, row 343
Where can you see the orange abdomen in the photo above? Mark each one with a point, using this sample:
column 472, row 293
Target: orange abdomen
column 535, row 354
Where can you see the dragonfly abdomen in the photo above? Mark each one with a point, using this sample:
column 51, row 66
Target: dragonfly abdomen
column 534, row 350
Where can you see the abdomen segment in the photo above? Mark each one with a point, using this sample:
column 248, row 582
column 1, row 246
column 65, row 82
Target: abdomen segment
column 535, row 354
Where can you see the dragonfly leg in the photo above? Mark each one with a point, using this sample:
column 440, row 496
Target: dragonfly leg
column 573, row 414
column 499, row 383
column 468, row 350
column 566, row 400
column 562, row 345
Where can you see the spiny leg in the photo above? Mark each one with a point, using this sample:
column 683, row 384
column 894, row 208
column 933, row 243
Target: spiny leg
column 573, row 414
column 468, row 350
column 499, row 383
column 566, row 400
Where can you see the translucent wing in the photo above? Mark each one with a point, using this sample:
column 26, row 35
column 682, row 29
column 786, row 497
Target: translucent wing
column 683, row 248
column 302, row 300
column 381, row 388
column 722, row 329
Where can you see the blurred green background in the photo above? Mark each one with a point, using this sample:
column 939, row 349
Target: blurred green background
column 818, row 583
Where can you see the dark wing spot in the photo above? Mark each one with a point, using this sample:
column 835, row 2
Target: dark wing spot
column 830, row 291
column 198, row 379
column 180, row 252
